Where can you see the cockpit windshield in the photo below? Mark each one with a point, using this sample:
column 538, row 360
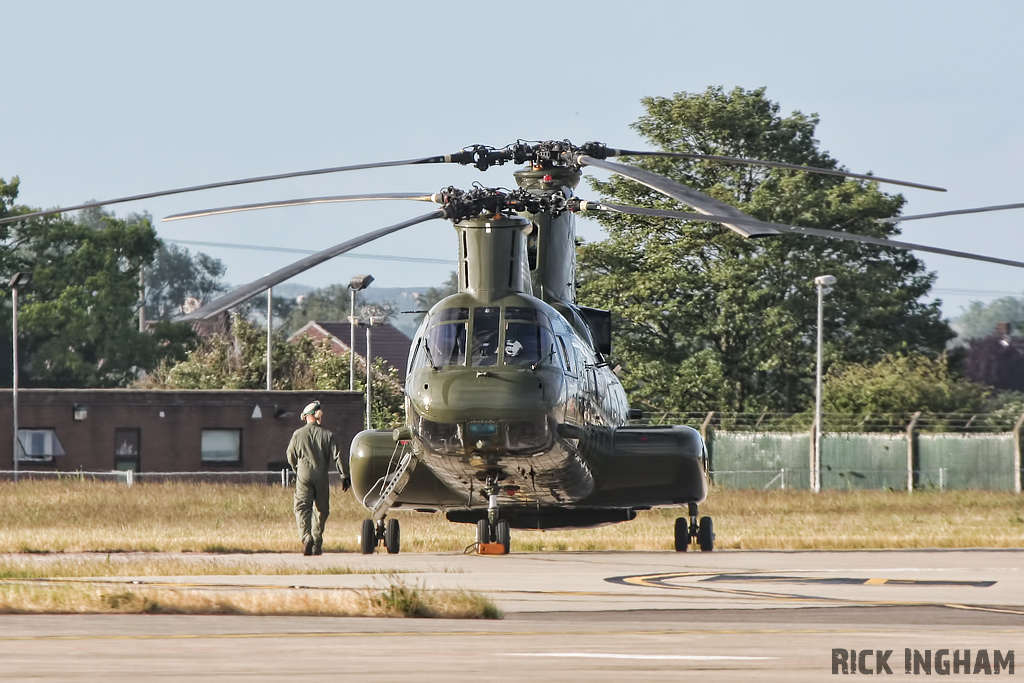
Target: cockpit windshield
column 485, row 336
column 447, row 344
column 528, row 344
column 516, row 335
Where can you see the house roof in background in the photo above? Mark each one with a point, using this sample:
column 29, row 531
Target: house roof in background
column 387, row 342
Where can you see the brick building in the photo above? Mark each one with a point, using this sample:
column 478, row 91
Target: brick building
column 164, row 431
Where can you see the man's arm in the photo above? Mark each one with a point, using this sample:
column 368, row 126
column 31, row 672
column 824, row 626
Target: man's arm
column 292, row 454
column 339, row 460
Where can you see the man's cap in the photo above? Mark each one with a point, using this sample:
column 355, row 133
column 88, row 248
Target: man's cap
column 310, row 409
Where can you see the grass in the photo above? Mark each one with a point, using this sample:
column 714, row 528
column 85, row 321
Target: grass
column 83, row 516
column 46, row 525
column 395, row 600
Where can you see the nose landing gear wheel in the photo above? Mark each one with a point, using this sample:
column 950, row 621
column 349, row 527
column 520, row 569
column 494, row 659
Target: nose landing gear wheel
column 503, row 535
column 483, row 531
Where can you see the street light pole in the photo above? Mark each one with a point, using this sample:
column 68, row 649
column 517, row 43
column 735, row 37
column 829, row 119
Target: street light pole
column 270, row 339
column 19, row 281
column 821, row 281
column 352, row 342
column 355, row 284
column 369, row 375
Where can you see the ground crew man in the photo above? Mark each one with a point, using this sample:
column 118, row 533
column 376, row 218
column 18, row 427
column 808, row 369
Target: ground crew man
column 309, row 453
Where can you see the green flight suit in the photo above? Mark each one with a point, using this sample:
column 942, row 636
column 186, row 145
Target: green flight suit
column 309, row 453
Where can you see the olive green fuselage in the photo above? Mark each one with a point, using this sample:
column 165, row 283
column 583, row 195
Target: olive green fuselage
column 507, row 397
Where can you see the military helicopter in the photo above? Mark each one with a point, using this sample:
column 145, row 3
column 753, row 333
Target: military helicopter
column 514, row 416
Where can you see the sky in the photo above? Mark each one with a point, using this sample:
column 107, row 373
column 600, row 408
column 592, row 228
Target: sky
column 111, row 98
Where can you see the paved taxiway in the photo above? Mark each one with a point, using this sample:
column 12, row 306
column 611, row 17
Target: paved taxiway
column 599, row 616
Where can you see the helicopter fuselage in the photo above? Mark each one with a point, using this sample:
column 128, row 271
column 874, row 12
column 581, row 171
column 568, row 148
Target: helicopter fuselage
column 509, row 401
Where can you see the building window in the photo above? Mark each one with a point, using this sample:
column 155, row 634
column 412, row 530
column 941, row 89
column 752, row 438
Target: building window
column 222, row 446
column 38, row 445
column 126, row 449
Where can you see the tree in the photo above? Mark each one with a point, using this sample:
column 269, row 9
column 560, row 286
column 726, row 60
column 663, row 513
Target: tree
column 901, row 383
column 238, row 361
column 332, row 303
column 327, row 303
column 427, row 299
column 78, row 319
column 996, row 361
column 979, row 320
column 706, row 320
column 176, row 275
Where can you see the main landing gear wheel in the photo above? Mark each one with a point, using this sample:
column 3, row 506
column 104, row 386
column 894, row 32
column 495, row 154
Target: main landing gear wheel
column 689, row 531
column 682, row 534
column 706, row 535
column 393, row 537
column 368, row 537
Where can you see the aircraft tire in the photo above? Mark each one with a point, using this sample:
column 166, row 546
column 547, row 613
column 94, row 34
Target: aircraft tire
column 706, row 535
column 368, row 537
column 682, row 534
column 503, row 534
column 393, row 537
column 483, row 531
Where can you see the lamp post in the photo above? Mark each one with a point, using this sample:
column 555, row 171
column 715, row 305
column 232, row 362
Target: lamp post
column 369, row 374
column 19, row 281
column 357, row 283
column 270, row 338
column 821, row 281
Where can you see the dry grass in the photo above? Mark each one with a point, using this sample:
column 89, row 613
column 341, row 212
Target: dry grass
column 63, row 517
column 395, row 600
column 35, row 566
column 77, row 516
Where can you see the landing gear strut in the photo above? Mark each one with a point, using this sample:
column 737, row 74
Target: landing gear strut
column 703, row 532
column 491, row 529
column 373, row 534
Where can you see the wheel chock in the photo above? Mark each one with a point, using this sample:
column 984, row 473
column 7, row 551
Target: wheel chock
column 490, row 549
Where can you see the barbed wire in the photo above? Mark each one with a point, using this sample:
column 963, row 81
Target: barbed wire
column 923, row 421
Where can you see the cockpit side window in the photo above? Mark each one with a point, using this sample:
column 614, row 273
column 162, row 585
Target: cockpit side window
column 446, row 344
column 485, row 336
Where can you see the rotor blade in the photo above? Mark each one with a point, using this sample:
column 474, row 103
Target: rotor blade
column 755, row 224
column 775, row 164
column 278, row 276
column 689, row 196
column 415, row 196
column 982, row 209
column 642, row 211
column 291, row 250
column 444, row 158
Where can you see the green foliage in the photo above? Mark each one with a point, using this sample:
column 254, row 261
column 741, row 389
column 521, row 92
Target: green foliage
column 979, row 320
column 175, row 276
column 707, row 320
column 238, row 361
column 332, row 303
column 78, row 319
column 901, row 383
column 427, row 299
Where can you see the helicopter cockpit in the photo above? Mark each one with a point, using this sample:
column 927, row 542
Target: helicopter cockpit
column 486, row 336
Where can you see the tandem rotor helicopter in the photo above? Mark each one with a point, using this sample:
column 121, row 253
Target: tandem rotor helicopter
column 514, row 417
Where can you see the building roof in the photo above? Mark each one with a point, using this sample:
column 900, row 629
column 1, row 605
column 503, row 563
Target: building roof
column 387, row 342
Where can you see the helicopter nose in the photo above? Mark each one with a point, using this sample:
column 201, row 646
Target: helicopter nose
column 483, row 395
